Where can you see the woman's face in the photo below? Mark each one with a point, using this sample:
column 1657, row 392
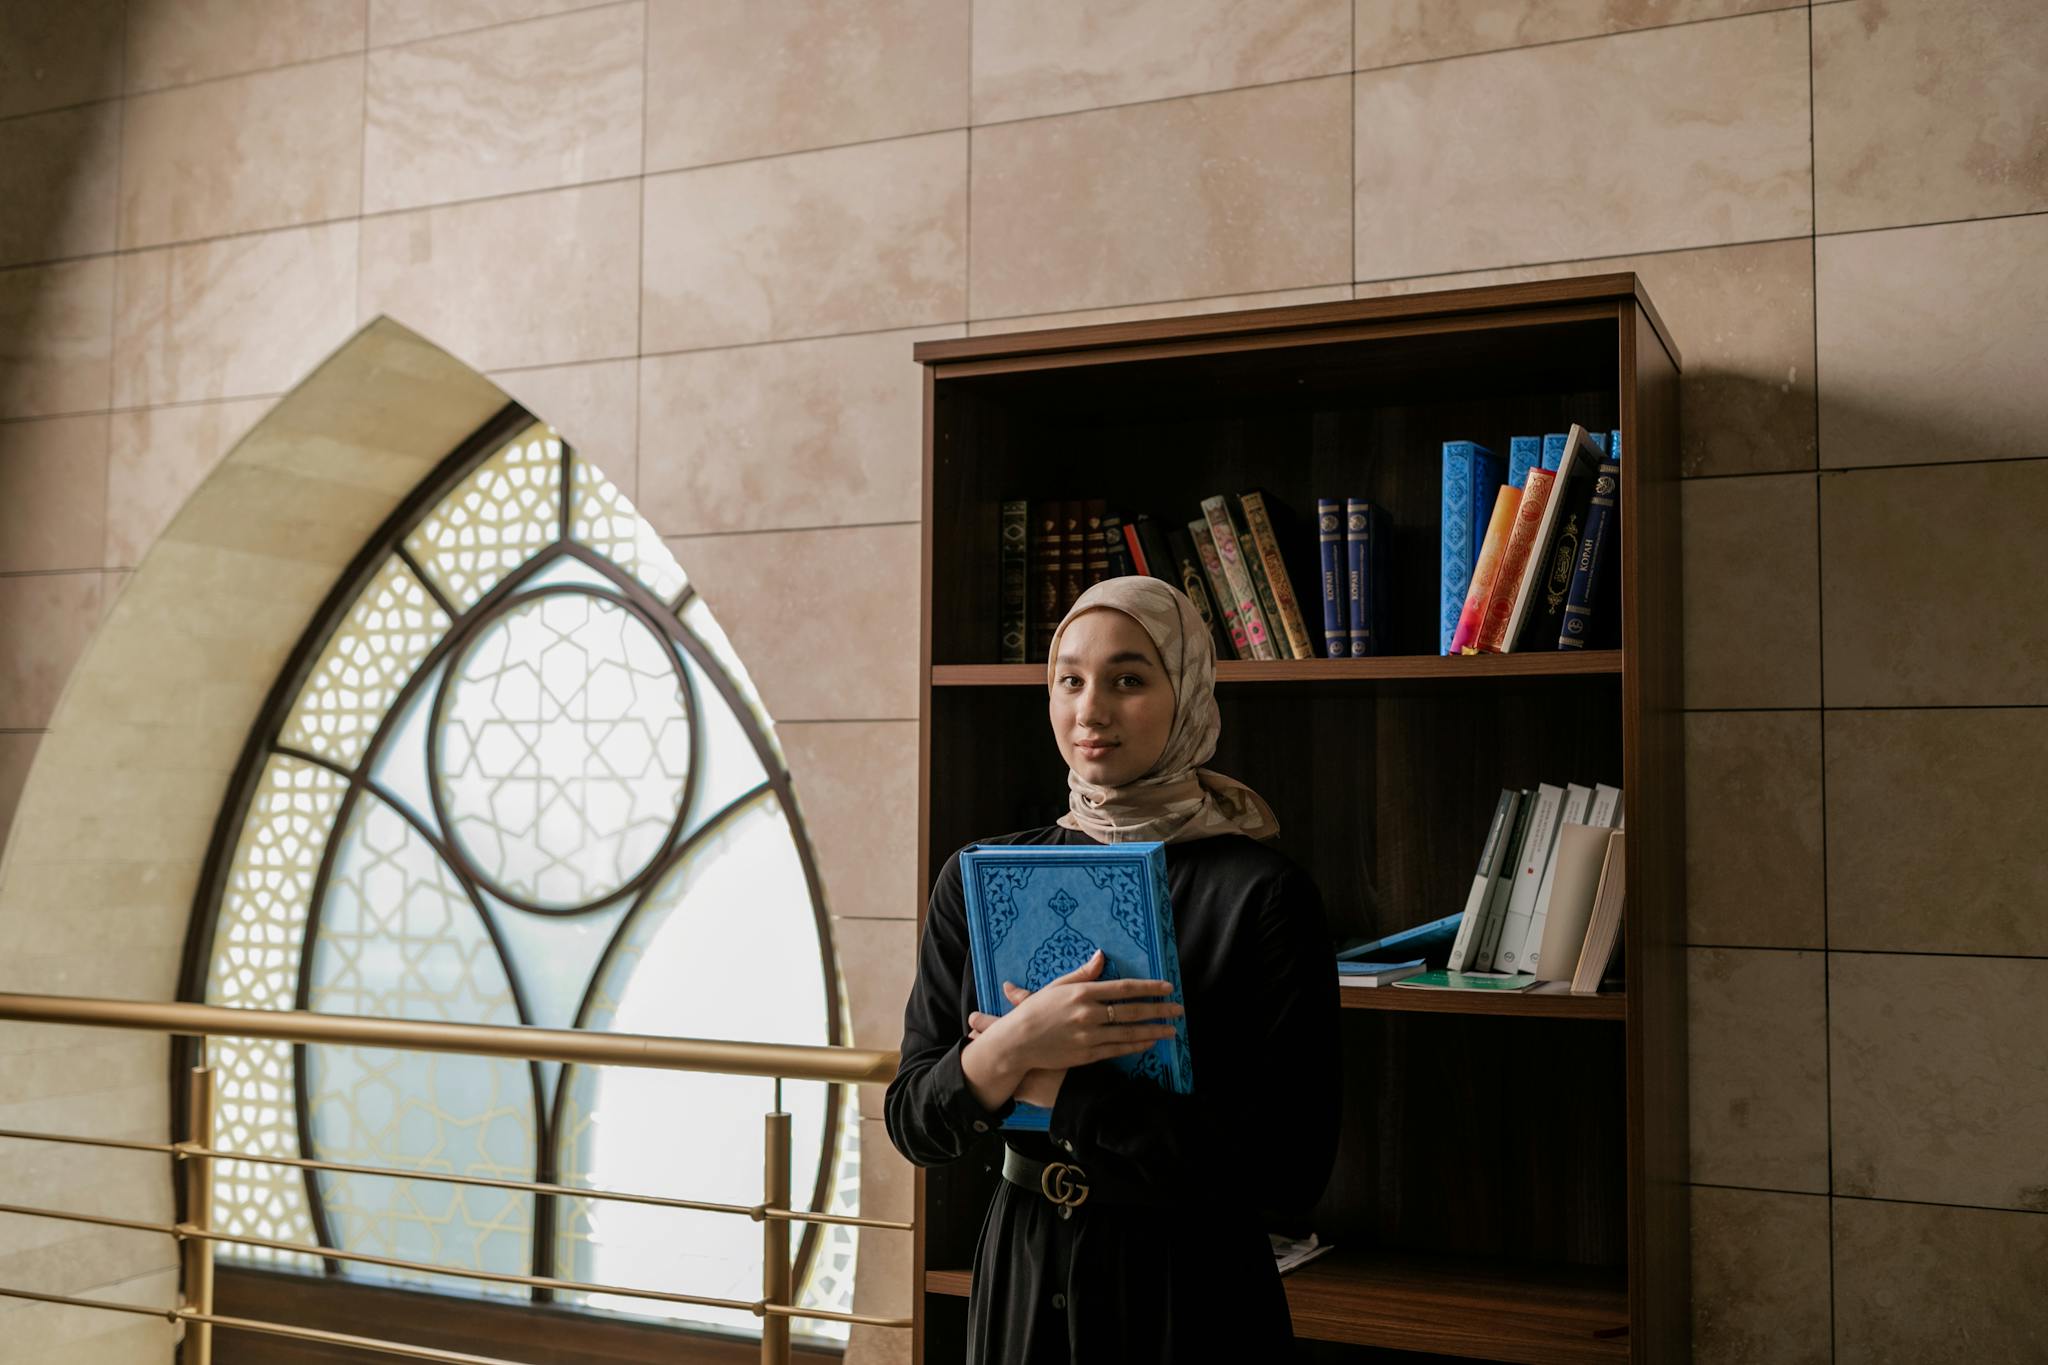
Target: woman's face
column 1111, row 703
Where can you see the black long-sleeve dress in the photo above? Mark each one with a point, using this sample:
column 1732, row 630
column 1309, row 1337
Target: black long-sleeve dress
column 1180, row 1271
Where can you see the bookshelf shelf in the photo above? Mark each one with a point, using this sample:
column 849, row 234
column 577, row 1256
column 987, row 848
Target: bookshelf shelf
column 1463, row 1230
column 1398, row 667
column 1525, row 1005
column 1467, row 1308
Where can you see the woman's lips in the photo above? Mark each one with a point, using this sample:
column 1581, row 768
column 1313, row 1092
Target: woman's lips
column 1093, row 748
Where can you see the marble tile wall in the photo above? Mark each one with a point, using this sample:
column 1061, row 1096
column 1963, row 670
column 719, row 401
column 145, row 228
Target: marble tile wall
column 701, row 236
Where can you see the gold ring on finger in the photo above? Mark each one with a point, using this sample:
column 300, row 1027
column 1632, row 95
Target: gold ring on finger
column 1111, row 1005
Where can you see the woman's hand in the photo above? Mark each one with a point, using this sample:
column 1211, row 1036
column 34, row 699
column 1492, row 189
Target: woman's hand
column 1074, row 1020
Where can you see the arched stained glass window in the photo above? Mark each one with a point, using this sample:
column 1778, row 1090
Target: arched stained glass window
column 516, row 774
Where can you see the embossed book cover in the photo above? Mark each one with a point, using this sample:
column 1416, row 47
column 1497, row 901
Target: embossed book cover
column 1036, row 912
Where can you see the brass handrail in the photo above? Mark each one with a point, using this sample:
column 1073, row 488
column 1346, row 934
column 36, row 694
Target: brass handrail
column 521, row 1042
column 197, row 1155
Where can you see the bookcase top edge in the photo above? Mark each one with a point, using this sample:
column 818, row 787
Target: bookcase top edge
column 1615, row 287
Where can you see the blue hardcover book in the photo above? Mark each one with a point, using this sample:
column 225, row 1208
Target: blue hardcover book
column 1614, row 446
column 1365, row 554
column 1553, row 449
column 1037, row 911
column 1336, row 579
column 1524, row 454
column 1596, row 550
column 1431, row 941
column 1471, row 482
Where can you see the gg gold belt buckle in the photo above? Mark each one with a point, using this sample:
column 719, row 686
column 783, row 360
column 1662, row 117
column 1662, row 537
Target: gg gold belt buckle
column 1066, row 1185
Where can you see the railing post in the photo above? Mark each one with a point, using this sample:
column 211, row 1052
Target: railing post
column 775, row 1285
column 198, row 1251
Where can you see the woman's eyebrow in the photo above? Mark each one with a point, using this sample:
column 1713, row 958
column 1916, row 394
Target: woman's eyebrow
column 1129, row 656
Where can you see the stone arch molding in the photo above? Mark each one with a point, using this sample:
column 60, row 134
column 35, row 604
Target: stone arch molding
column 190, row 710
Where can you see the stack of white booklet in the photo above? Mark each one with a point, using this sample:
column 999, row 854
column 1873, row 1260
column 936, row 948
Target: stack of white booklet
column 1545, row 854
column 1289, row 1252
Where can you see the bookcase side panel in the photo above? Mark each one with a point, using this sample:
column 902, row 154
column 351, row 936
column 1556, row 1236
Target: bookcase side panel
column 1653, row 708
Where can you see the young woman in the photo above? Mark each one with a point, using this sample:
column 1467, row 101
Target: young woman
column 1166, row 1257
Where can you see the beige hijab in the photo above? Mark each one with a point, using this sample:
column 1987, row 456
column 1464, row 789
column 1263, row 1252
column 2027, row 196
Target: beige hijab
column 1177, row 798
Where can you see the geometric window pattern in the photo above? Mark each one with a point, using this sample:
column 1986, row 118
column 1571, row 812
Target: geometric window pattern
column 527, row 780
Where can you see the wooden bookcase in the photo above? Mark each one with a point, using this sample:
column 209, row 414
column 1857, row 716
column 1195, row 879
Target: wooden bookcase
column 1511, row 1180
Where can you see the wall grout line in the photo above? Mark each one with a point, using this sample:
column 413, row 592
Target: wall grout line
column 1825, row 951
column 1867, row 1198
column 1827, row 1038
column 779, row 530
column 114, row 297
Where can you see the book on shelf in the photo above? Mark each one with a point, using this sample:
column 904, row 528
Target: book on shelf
column 1073, row 554
column 1581, row 852
column 1221, row 590
column 1291, row 1253
column 1603, row 930
column 1043, row 583
column 1255, row 568
column 1468, row 981
column 1038, row 911
column 1366, row 553
column 1530, row 866
column 1572, row 810
column 1601, row 810
column 1550, row 578
column 1258, row 520
column 1016, row 513
column 1193, row 580
column 1590, row 620
column 1237, row 576
column 1120, row 563
column 1471, row 482
column 1433, row 940
column 1525, row 455
column 1504, row 884
column 1464, row 952
column 1367, row 974
column 1486, row 568
column 1094, row 549
column 1336, row 578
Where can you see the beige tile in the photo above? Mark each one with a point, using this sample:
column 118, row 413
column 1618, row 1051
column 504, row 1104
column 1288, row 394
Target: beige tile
column 1034, row 57
column 1172, row 308
column 1940, row 1083
column 856, row 784
column 1234, row 193
column 1759, row 1068
column 59, row 52
column 174, row 42
column 730, row 79
column 1760, row 1292
column 1917, row 1283
column 156, row 458
column 55, row 340
column 596, row 407
column 1926, row 112
column 1741, row 316
column 243, row 154
column 1751, row 600
column 1931, row 343
column 17, row 754
column 58, row 173
column 53, row 493
column 1753, row 800
column 1928, row 585
column 1962, row 874
column 112, row 583
column 878, row 961
column 247, row 315
column 801, row 245
column 575, row 252
column 522, row 107
column 1685, row 137
column 805, row 433
column 1393, row 32
column 403, row 21
column 46, row 620
column 846, row 588
column 888, row 1189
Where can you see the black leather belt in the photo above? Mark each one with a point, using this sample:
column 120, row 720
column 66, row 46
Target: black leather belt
column 1062, row 1182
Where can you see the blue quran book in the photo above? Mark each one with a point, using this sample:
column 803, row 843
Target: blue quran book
column 1037, row 911
column 1336, row 579
column 1524, row 454
column 1365, row 556
column 1553, row 450
column 1614, row 446
column 1471, row 481
column 1432, row 940
column 1598, row 551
